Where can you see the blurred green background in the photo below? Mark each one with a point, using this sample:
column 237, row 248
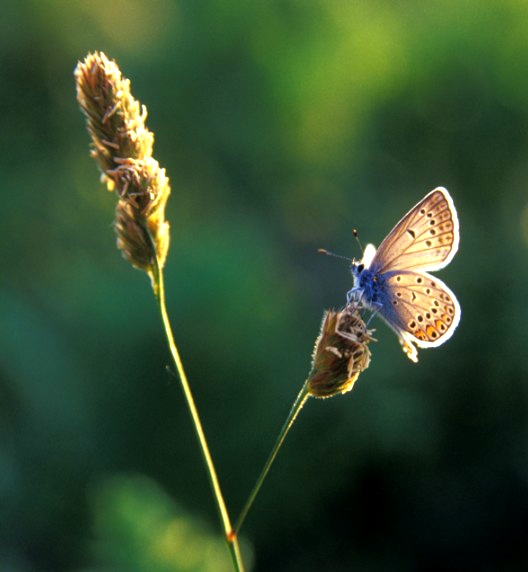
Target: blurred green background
column 282, row 125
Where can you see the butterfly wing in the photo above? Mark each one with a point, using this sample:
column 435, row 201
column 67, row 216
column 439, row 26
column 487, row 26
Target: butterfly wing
column 421, row 309
column 426, row 238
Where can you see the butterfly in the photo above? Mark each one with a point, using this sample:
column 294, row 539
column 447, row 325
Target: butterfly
column 393, row 282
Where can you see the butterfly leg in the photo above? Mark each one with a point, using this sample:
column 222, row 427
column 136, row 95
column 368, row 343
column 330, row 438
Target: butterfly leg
column 353, row 295
column 375, row 308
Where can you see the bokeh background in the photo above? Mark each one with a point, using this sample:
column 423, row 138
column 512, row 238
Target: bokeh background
column 282, row 125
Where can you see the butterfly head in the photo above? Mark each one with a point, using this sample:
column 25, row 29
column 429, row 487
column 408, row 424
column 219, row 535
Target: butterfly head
column 357, row 268
column 367, row 280
column 360, row 268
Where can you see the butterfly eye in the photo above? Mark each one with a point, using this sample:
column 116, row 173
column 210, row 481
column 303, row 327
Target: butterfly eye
column 360, row 268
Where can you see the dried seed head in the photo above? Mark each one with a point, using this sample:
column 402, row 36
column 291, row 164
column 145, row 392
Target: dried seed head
column 142, row 231
column 341, row 352
column 122, row 146
column 115, row 120
column 142, row 183
column 140, row 240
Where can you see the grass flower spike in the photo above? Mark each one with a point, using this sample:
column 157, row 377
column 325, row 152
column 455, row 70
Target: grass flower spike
column 341, row 353
column 122, row 147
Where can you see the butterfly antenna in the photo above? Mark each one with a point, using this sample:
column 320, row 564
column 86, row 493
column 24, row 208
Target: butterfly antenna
column 328, row 253
column 356, row 236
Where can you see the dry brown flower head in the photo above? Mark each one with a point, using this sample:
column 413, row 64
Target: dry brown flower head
column 341, row 352
column 122, row 147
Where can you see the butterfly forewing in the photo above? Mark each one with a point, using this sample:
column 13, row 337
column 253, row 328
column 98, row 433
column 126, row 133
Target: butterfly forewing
column 421, row 306
column 426, row 238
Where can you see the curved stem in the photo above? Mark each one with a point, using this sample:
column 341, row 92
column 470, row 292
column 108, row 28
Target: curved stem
column 230, row 534
column 294, row 411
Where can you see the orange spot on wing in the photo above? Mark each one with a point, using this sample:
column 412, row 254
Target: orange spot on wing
column 431, row 332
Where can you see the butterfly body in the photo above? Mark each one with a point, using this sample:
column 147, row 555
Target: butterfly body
column 369, row 283
column 394, row 283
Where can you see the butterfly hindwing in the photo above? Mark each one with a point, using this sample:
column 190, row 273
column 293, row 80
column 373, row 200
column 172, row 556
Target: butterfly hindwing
column 419, row 305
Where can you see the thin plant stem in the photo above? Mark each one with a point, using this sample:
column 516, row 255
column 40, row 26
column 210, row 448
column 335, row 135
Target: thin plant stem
column 230, row 535
column 294, row 411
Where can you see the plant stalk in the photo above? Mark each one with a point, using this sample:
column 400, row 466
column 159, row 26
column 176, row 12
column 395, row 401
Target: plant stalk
column 230, row 534
column 294, row 411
